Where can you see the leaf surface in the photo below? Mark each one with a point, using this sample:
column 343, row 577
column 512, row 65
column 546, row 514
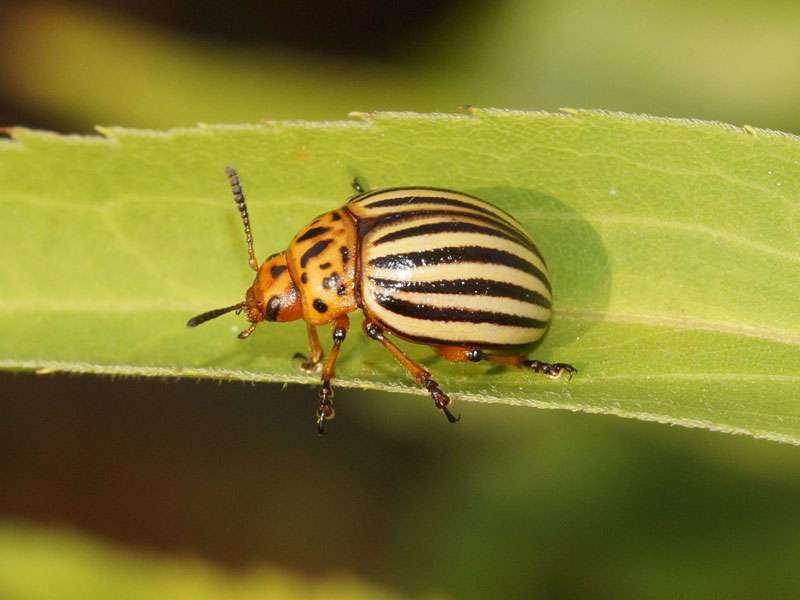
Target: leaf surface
column 674, row 249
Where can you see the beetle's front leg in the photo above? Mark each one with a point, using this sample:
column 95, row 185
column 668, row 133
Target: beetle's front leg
column 314, row 361
column 325, row 411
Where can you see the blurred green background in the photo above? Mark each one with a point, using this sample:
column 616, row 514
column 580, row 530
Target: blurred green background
column 230, row 482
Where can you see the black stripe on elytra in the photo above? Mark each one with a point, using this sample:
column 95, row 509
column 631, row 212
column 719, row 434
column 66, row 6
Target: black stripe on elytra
column 453, row 227
column 277, row 270
column 458, row 254
column 462, row 315
column 312, row 233
column 313, row 251
column 410, row 200
column 494, row 220
column 471, row 287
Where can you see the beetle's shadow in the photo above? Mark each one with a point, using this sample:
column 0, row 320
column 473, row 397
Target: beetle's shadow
column 576, row 259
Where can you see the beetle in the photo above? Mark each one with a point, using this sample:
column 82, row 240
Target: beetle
column 431, row 266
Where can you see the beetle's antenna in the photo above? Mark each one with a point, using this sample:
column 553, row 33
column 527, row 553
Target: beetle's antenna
column 213, row 314
column 238, row 196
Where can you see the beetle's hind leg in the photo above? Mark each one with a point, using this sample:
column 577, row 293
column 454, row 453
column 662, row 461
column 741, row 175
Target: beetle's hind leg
column 552, row 370
column 475, row 354
column 420, row 374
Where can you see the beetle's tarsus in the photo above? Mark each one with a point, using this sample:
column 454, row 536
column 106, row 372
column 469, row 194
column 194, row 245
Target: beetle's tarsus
column 450, row 417
column 440, row 399
column 308, row 366
column 554, row 370
column 321, row 424
column 325, row 410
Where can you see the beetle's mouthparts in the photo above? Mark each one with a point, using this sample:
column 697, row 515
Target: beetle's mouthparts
column 245, row 333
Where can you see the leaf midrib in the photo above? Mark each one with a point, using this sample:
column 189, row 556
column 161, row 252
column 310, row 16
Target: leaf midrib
column 684, row 324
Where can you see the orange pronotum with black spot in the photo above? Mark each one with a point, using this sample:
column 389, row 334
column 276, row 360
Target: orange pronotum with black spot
column 432, row 266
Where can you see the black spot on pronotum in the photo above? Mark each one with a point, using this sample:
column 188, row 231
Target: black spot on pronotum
column 313, row 251
column 345, row 254
column 273, row 306
column 319, row 305
column 331, row 281
column 277, row 270
column 341, row 290
column 304, row 277
column 312, row 233
column 335, row 216
column 325, row 265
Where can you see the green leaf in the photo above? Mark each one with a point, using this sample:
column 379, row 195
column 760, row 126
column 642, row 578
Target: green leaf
column 40, row 564
column 674, row 249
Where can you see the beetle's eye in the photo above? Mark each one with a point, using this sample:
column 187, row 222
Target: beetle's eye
column 273, row 306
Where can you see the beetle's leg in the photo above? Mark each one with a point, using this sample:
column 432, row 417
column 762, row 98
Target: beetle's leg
column 460, row 353
column 313, row 362
column 357, row 185
column 325, row 411
column 552, row 370
column 475, row 354
column 420, row 374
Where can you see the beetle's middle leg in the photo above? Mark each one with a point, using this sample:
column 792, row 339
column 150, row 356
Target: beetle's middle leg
column 314, row 361
column 325, row 410
column 420, row 374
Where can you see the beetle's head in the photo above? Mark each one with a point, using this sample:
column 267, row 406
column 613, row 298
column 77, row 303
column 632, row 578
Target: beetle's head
column 272, row 297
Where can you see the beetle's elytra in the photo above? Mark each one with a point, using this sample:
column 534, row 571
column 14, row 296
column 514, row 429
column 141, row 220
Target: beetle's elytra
column 431, row 266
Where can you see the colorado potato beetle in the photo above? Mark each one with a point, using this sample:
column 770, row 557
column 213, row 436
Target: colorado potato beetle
column 431, row 266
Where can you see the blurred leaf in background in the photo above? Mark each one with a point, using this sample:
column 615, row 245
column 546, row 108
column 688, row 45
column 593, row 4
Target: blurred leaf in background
column 39, row 564
column 730, row 61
